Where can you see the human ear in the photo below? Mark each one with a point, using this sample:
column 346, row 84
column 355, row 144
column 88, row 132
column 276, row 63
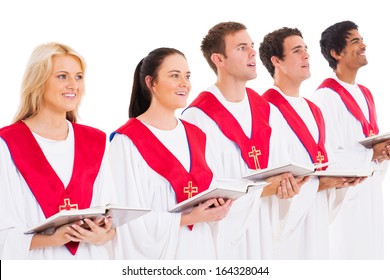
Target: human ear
column 149, row 83
column 217, row 59
column 275, row 61
column 334, row 54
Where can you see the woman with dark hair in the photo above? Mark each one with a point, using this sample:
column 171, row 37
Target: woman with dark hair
column 159, row 160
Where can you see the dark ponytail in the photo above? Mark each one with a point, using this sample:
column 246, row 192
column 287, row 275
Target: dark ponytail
column 140, row 94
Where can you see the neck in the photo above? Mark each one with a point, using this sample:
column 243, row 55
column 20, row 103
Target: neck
column 232, row 90
column 159, row 117
column 346, row 75
column 49, row 126
column 288, row 87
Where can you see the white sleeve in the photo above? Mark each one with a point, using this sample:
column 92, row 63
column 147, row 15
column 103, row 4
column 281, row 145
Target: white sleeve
column 14, row 209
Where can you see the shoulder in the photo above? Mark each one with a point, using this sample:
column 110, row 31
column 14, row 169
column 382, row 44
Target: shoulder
column 95, row 137
column 203, row 100
column 88, row 129
column 127, row 128
column 189, row 126
column 10, row 128
column 195, row 116
column 255, row 96
column 364, row 88
column 324, row 95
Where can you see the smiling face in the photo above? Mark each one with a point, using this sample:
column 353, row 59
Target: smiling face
column 65, row 85
column 353, row 55
column 172, row 86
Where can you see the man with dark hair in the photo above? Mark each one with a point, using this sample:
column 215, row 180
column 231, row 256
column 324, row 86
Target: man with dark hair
column 305, row 219
column 349, row 112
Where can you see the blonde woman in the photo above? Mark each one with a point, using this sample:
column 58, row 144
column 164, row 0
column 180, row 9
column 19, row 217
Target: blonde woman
column 48, row 162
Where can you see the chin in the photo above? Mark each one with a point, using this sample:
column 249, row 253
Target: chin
column 71, row 109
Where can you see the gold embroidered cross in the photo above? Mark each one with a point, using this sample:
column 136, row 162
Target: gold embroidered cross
column 255, row 153
column 190, row 189
column 320, row 157
column 67, row 206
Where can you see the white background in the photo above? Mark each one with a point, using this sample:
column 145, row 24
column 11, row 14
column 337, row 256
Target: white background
column 114, row 35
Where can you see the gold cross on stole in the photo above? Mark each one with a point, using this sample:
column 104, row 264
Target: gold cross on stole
column 255, row 153
column 320, row 157
column 67, row 206
column 190, row 189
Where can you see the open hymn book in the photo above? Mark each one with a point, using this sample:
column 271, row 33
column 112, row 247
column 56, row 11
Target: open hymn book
column 345, row 173
column 224, row 189
column 297, row 170
column 373, row 140
column 120, row 215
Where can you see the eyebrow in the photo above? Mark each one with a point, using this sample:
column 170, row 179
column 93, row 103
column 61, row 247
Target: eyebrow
column 299, row 47
column 178, row 71
column 355, row 39
column 63, row 71
column 241, row 44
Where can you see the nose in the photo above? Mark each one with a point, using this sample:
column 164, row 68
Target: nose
column 306, row 55
column 252, row 52
column 184, row 82
column 72, row 83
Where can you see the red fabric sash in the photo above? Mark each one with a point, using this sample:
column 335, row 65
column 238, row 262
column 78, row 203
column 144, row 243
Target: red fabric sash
column 254, row 150
column 369, row 127
column 44, row 183
column 160, row 159
column 316, row 150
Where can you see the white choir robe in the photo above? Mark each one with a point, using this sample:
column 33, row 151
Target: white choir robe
column 306, row 216
column 357, row 231
column 158, row 234
column 246, row 232
column 20, row 211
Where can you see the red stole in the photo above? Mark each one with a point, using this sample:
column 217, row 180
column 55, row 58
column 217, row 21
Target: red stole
column 316, row 150
column 160, row 159
column 369, row 127
column 254, row 150
column 44, row 183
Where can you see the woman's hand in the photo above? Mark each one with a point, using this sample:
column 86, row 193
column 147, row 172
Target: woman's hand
column 283, row 186
column 214, row 209
column 95, row 232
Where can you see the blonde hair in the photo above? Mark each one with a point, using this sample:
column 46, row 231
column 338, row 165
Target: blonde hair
column 38, row 70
